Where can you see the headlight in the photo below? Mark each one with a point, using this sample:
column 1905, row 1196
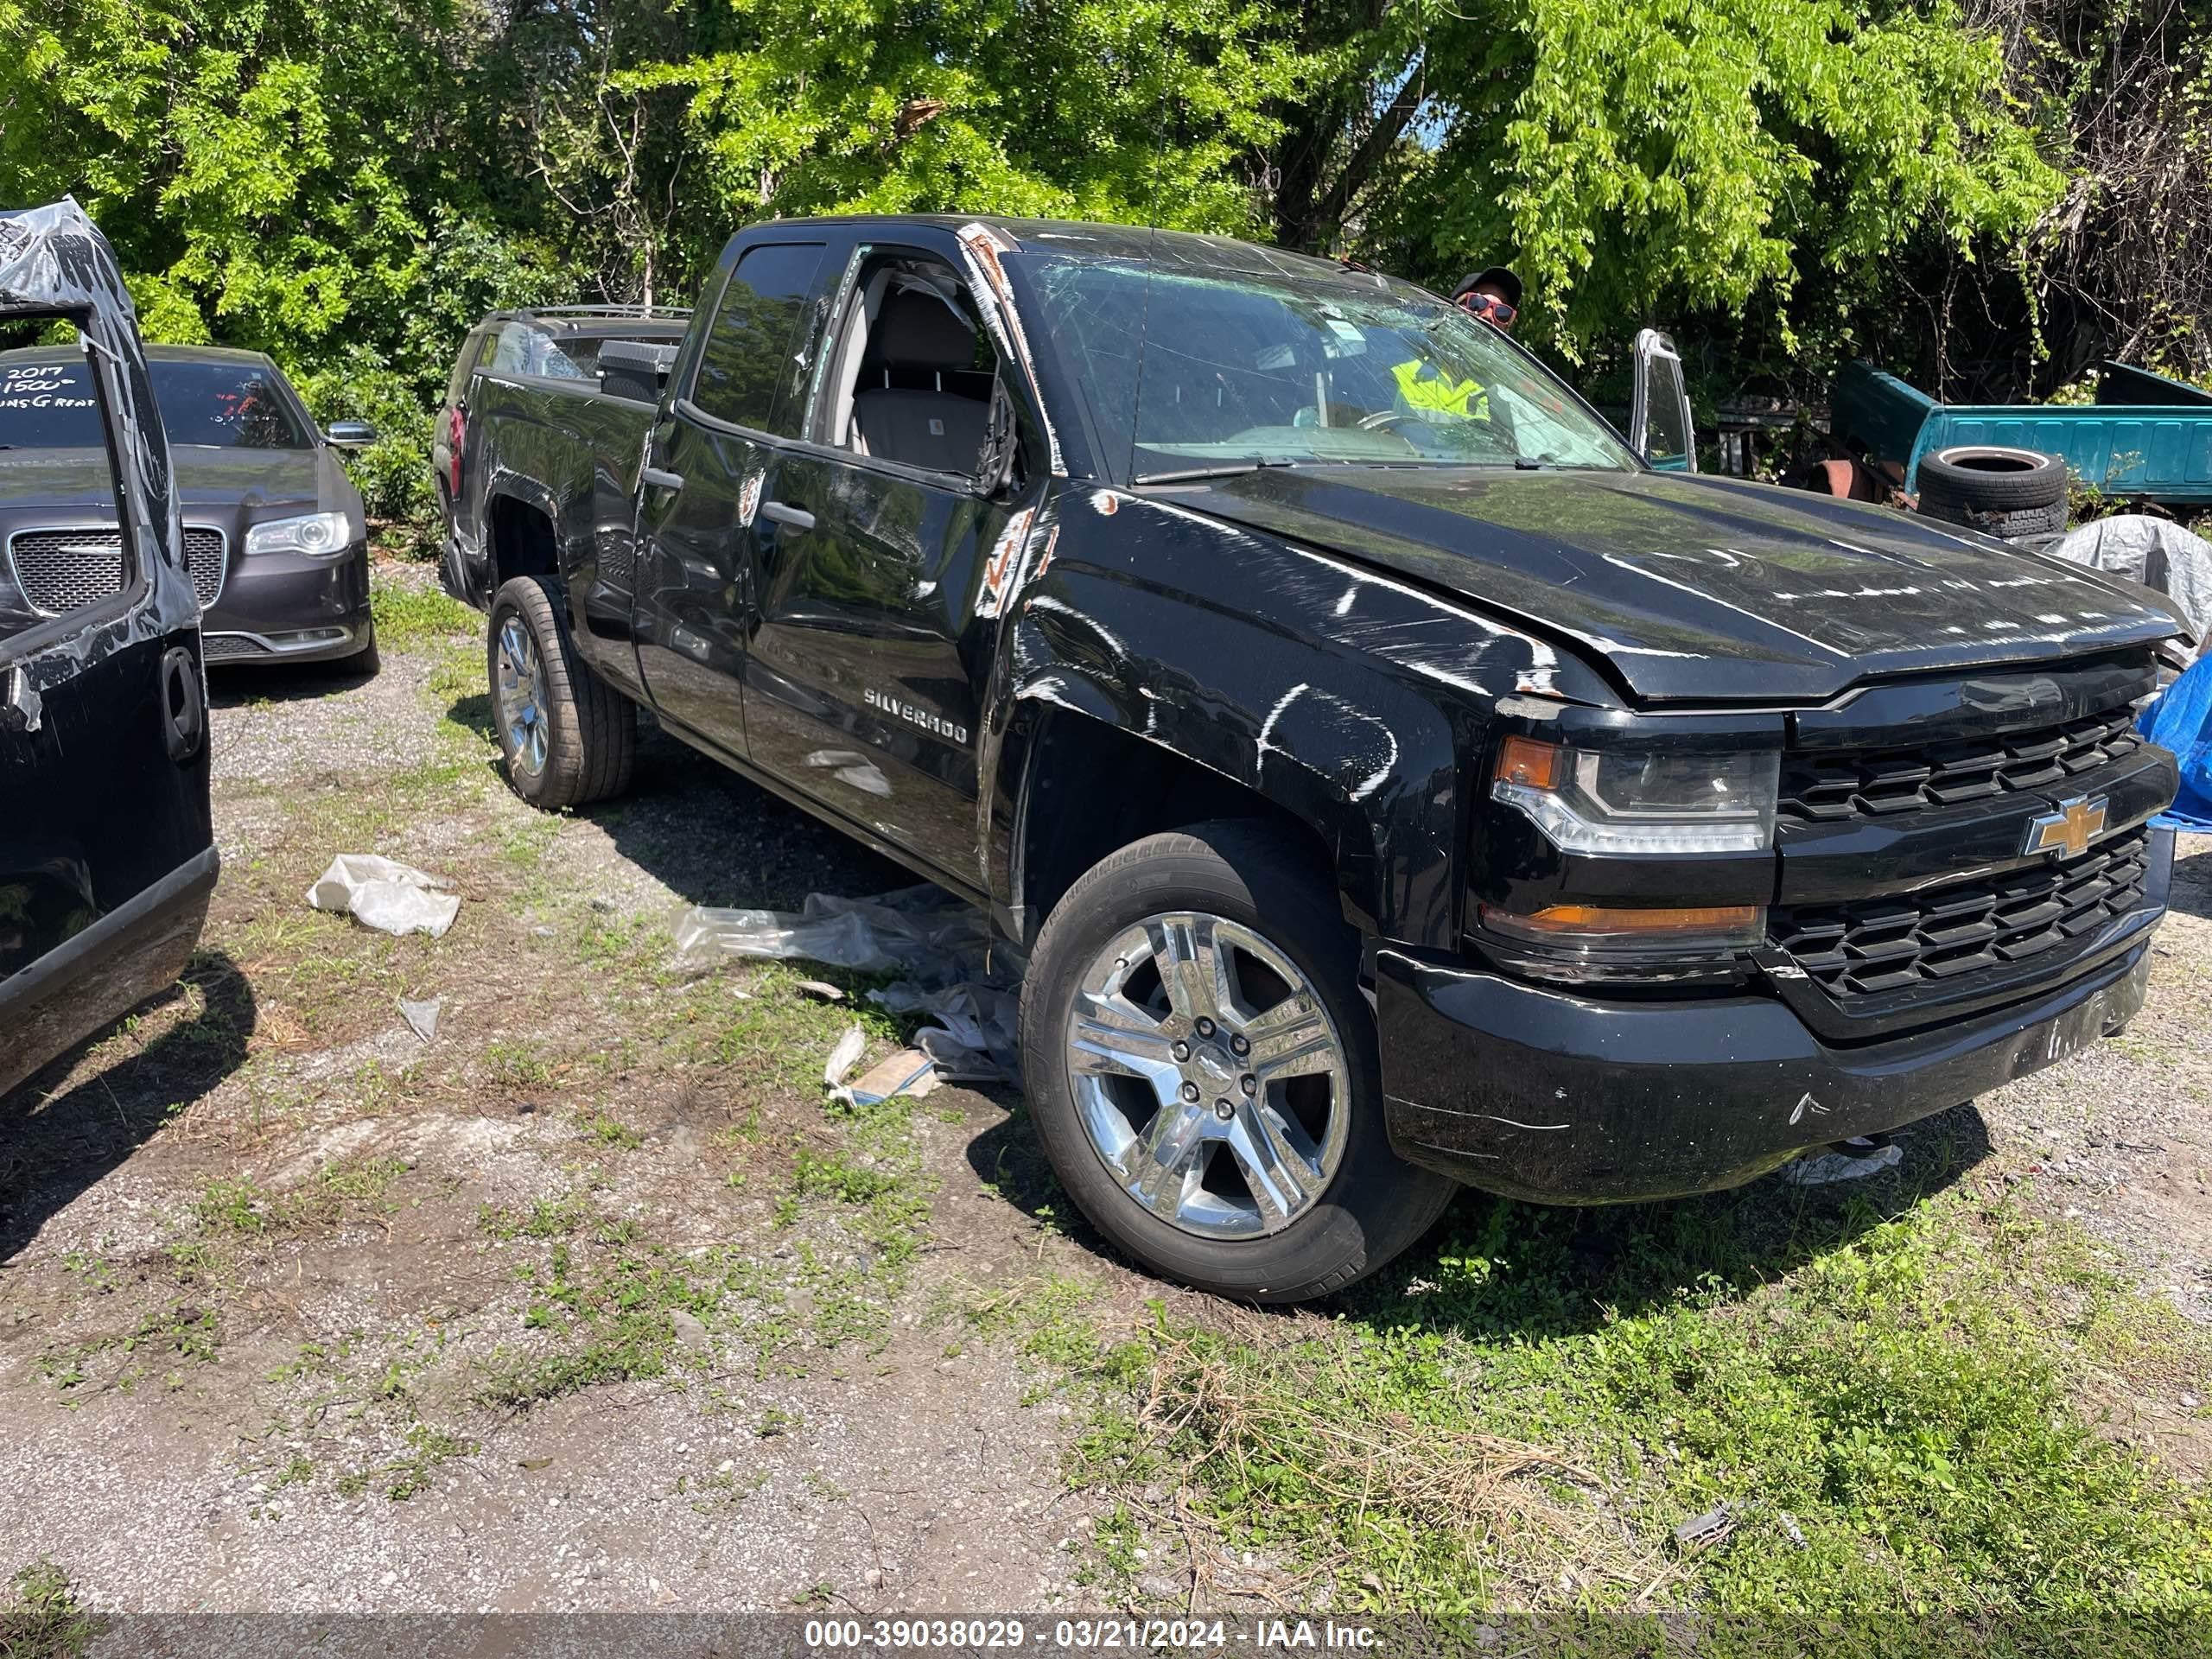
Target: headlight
column 1629, row 798
column 314, row 532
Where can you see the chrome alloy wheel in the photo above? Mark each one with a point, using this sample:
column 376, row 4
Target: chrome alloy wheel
column 519, row 686
column 1209, row 1075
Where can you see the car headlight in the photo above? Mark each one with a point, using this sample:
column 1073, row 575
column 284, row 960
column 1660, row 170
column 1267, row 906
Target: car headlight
column 1628, row 797
column 313, row 532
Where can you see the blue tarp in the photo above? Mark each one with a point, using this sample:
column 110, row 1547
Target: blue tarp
column 2182, row 721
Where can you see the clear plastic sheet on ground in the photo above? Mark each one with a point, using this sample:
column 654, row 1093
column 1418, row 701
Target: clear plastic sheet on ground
column 385, row 895
column 941, row 948
column 1822, row 1168
column 422, row 1017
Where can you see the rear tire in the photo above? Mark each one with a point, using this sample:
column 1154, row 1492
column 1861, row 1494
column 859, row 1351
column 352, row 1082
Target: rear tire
column 567, row 736
column 1240, row 892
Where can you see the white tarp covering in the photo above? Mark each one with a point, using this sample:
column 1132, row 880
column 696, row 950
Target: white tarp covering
column 2156, row 552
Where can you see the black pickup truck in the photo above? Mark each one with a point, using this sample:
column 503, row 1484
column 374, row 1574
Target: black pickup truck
column 1392, row 780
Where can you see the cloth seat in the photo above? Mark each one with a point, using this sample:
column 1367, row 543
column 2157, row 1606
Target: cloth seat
column 906, row 408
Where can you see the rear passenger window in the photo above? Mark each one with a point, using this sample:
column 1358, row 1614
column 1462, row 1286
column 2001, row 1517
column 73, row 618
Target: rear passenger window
column 511, row 349
column 747, row 360
column 523, row 348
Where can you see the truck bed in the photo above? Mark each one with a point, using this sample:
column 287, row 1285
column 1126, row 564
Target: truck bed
column 2146, row 435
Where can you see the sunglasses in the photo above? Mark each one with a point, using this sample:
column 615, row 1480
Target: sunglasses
column 1488, row 307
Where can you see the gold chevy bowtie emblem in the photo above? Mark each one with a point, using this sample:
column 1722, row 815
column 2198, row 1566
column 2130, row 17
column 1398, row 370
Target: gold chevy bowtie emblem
column 2070, row 830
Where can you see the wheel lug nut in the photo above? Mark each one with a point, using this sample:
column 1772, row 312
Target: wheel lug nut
column 1190, row 1091
column 1250, row 1084
column 1240, row 1044
column 1203, row 1027
column 1224, row 1110
column 1181, row 1051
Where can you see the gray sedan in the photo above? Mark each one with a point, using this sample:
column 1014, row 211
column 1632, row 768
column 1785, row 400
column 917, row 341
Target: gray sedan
column 274, row 535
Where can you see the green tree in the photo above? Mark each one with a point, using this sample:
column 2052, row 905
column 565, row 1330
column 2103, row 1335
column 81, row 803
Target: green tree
column 1670, row 156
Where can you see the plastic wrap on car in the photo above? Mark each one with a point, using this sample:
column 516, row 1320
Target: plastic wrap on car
column 54, row 261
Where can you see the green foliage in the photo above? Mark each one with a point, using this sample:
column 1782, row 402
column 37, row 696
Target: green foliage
column 348, row 188
column 1674, row 155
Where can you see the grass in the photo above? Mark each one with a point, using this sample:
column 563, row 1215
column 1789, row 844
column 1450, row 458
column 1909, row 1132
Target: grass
column 183, row 1331
column 348, row 1190
column 607, row 1314
column 413, row 618
column 40, row 1617
column 1888, row 1408
column 399, row 1477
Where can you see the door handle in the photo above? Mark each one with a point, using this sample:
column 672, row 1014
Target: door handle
column 654, row 478
column 797, row 517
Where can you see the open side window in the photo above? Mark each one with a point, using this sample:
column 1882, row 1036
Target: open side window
column 913, row 376
column 1659, row 408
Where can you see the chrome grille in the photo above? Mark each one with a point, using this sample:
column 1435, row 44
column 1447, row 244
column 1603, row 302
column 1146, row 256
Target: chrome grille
column 65, row 570
column 1935, row 936
column 1822, row 789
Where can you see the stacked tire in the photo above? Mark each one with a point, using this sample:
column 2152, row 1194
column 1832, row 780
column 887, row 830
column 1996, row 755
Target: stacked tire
column 2000, row 492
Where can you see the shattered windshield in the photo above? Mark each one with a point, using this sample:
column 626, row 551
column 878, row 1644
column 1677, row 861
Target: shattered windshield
column 1186, row 372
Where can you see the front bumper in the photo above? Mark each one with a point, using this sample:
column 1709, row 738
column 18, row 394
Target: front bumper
column 290, row 607
column 1559, row 1097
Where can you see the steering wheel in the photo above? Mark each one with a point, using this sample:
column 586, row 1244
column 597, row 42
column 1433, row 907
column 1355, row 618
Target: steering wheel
column 1385, row 418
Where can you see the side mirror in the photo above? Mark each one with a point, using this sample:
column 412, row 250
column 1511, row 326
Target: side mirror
column 1001, row 451
column 349, row 434
column 1659, row 408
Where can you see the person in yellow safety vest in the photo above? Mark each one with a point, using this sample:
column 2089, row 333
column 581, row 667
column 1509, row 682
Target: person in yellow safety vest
column 1494, row 295
column 1427, row 390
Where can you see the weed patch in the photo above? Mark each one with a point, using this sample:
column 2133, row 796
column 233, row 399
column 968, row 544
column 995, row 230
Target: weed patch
column 185, row 1332
column 41, row 1620
column 1885, row 1430
column 410, row 617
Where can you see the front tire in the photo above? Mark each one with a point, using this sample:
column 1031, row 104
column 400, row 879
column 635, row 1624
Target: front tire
column 365, row 663
column 569, row 737
column 1203, row 1069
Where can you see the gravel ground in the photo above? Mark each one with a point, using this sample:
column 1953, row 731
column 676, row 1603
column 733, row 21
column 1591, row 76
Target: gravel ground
column 924, row 1468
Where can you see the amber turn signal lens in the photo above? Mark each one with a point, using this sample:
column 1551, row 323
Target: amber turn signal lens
column 1568, row 921
column 1525, row 760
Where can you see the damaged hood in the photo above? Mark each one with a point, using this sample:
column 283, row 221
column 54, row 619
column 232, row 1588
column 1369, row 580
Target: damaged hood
column 1696, row 587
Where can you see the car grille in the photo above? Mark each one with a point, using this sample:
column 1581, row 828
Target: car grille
column 1818, row 789
column 65, row 570
column 214, row 647
column 1934, row 937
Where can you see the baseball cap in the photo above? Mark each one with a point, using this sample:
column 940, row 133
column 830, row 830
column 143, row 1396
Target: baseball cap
column 1496, row 277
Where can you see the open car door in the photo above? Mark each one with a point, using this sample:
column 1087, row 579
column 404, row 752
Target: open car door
column 106, row 852
column 1659, row 408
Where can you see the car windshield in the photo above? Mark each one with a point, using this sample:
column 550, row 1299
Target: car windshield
column 1238, row 368
column 49, row 405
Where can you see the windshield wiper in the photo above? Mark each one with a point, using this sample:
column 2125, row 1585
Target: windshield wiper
column 1226, row 469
